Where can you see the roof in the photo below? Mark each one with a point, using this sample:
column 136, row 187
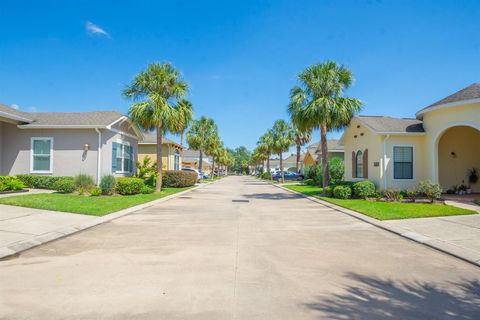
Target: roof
column 151, row 138
column 390, row 125
column 188, row 153
column 472, row 92
column 14, row 114
column 332, row 145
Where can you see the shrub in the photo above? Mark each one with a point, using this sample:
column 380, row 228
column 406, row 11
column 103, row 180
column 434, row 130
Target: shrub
column 178, row 179
column 336, row 168
column 310, row 172
column 107, row 185
column 95, row 192
column 81, row 191
column 147, row 170
column 84, row 181
column 319, row 174
column 309, row 182
column 363, row 189
column 147, row 189
column 392, row 195
column 429, row 189
column 127, row 186
column 342, row 192
column 328, row 191
column 64, row 186
column 8, row 183
column 411, row 194
column 40, row 182
column 266, row 176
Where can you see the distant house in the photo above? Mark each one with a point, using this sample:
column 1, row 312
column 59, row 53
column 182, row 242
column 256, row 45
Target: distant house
column 171, row 151
column 441, row 144
column 289, row 162
column 191, row 159
column 314, row 152
column 67, row 143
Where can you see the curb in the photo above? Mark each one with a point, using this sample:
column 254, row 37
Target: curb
column 439, row 245
column 20, row 246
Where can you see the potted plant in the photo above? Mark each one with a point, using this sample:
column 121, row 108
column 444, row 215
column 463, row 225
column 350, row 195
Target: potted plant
column 472, row 176
column 462, row 189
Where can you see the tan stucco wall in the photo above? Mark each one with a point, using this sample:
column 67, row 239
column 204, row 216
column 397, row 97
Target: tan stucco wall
column 168, row 158
column 465, row 143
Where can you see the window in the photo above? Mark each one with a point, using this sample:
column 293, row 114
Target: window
column 122, row 157
column 41, row 155
column 176, row 160
column 359, row 165
column 403, row 162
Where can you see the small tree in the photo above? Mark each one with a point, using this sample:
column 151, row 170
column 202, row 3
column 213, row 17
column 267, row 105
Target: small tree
column 200, row 135
column 284, row 138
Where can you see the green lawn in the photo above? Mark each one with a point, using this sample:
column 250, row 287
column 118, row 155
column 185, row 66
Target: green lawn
column 386, row 210
column 95, row 206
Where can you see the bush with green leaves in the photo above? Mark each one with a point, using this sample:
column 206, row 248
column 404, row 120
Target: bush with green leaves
column 266, row 176
column 84, row 181
column 393, row 195
column 310, row 172
column 11, row 183
column 363, row 189
column 95, row 192
column 178, row 179
column 40, row 181
column 128, row 186
column 342, row 192
column 328, row 191
column 429, row 189
column 108, row 184
column 147, row 170
column 336, row 168
column 410, row 194
column 147, row 190
column 64, row 185
column 309, row 182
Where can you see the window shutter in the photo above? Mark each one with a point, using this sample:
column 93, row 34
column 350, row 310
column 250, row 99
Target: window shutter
column 365, row 164
column 131, row 158
column 354, row 165
column 114, row 156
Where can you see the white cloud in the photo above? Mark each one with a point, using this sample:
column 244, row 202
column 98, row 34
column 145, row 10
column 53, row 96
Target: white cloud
column 15, row 106
column 94, row 29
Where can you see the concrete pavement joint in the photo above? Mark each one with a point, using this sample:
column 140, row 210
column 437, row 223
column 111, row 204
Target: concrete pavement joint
column 18, row 247
column 413, row 236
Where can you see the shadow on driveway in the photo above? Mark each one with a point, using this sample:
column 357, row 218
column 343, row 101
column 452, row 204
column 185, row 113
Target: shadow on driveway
column 375, row 298
column 273, row 196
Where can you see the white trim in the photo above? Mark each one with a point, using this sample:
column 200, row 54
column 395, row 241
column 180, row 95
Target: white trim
column 44, row 126
column 446, row 105
column 14, row 117
column 99, row 156
column 124, row 143
column 402, row 133
column 123, row 133
column 436, row 140
column 32, row 139
column 116, row 121
column 384, row 161
column 414, row 171
column 134, row 127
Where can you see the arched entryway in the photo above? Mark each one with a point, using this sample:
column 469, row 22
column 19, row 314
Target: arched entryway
column 458, row 151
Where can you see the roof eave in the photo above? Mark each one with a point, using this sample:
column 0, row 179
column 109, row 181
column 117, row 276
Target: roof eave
column 14, row 117
column 419, row 114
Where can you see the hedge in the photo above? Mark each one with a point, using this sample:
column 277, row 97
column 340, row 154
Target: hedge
column 364, row 189
column 40, row 182
column 178, row 179
column 342, row 192
column 128, row 186
column 64, row 185
column 8, row 183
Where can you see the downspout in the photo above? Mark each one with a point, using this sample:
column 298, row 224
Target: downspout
column 384, row 162
column 99, row 155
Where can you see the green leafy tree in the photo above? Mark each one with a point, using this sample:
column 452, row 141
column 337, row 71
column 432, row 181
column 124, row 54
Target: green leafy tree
column 156, row 93
column 200, row 135
column 185, row 119
column 302, row 137
column 214, row 149
column 318, row 102
column 266, row 145
column 284, row 138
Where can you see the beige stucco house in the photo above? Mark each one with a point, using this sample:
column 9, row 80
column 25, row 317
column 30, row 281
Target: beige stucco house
column 441, row 144
column 191, row 159
column 67, row 143
column 171, row 151
column 314, row 153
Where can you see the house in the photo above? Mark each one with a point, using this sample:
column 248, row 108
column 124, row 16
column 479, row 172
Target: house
column 191, row 159
column 171, row 151
column 441, row 144
column 314, row 152
column 289, row 162
column 67, row 143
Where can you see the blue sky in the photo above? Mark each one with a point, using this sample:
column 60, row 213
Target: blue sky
column 240, row 57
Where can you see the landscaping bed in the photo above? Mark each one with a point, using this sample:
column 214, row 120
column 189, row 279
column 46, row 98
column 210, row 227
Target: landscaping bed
column 75, row 203
column 383, row 210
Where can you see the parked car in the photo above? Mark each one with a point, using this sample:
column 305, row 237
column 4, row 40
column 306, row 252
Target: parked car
column 199, row 175
column 290, row 176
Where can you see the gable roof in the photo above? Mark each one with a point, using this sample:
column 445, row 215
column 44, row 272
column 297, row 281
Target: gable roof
column 151, row 138
column 390, row 125
column 468, row 94
column 14, row 114
column 332, row 145
column 89, row 119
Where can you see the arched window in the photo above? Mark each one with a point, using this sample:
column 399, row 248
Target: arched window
column 176, row 160
column 359, row 165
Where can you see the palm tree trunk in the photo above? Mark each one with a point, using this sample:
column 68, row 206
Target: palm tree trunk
column 323, row 140
column 213, row 167
column 200, row 161
column 298, row 157
column 181, row 138
column 158, row 187
column 281, row 168
column 268, row 164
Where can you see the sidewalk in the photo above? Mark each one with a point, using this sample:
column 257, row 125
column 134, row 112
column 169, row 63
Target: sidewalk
column 458, row 236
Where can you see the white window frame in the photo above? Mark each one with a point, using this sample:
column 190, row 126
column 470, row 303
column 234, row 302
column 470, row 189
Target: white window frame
column 413, row 162
column 176, row 155
column 123, row 143
column 32, row 139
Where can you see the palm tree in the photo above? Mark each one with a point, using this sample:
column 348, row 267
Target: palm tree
column 283, row 137
column 186, row 117
column 199, row 134
column 266, row 145
column 156, row 93
column 318, row 102
column 214, row 149
column 302, row 137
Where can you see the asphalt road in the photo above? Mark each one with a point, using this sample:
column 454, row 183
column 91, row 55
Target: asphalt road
column 210, row 255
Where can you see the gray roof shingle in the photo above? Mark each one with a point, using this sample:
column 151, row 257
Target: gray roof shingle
column 151, row 137
column 332, row 144
column 386, row 124
column 12, row 113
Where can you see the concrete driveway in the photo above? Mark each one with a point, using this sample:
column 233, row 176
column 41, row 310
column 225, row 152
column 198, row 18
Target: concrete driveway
column 211, row 255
